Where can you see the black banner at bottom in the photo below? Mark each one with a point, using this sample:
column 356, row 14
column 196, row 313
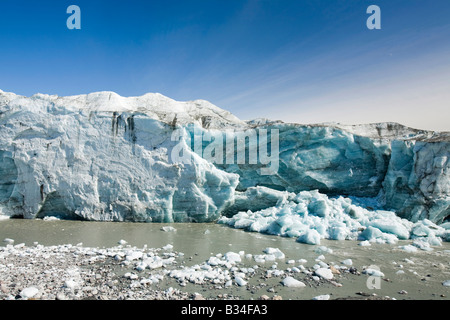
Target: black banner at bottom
column 229, row 309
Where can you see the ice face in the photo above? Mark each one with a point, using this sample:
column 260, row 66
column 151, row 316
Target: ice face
column 109, row 158
column 101, row 165
column 324, row 158
column 417, row 184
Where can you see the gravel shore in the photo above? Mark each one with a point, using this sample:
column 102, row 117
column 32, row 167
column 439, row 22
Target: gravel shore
column 125, row 272
column 74, row 272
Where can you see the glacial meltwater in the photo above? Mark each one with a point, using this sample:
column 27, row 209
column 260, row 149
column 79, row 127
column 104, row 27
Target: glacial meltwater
column 407, row 272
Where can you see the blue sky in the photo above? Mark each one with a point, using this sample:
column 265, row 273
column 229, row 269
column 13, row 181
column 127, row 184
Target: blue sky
column 305, row 61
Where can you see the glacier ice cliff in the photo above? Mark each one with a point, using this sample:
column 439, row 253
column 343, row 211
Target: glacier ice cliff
column 417, row 182
column 98, row 157
column 105, row 157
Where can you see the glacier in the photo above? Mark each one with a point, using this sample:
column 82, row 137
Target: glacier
column 104, row 157
column 97, row 157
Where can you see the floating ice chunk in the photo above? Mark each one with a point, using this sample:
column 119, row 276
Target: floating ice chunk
column 168, row 247
column 8, row 241
column 274, row 273
column 426, row 242
column 243, row 223
column 324, row 273
column 419, row 230
column 168, row 261
column 293, row 283
column 259, row 258
column 213, row 261
column 154, row 279
column 446, row 283
column 422, row 244
column 154, row 264
column 141, row 266
column 276, row 252
column 269, row 257
column 3, row 215
column 409, row 248
column 232, row 257
column 51, row 218
column 261, row 224
column 373, row 272
column 392, row 225
column 131, row 276
column 376, row 235
column 292, row 261
column 168, row 229
column 311, row 236
column 239, row 281
column 122, row 242
column 119, row 256
column 338, row 233
column 365, row 243
column 347, row 262
column 134, row 255
column 322, row 297
column 426, row 228
column 323, row 249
